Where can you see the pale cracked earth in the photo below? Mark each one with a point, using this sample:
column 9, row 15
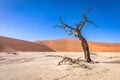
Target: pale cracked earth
column 43, row 66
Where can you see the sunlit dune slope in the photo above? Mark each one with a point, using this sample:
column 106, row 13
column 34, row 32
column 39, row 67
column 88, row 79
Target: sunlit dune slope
column 70, row 45
column 10, row 44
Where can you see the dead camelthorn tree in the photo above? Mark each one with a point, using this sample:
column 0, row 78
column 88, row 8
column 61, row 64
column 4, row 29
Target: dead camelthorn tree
column 77, row 32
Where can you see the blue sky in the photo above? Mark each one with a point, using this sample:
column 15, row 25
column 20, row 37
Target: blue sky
column 34, row 19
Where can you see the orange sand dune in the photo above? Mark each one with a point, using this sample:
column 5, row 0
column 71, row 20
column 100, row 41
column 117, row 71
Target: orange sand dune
column 10, row 44
column 66, row 44
column 71, row 45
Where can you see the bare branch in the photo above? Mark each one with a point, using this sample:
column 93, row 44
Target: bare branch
column 92, row 23
column 58, row 26
column 68, row 30
column 85, row 12
column 74, row 33
column 82, row 25
column 78, row 25
column 85, row 20
column 65, row 25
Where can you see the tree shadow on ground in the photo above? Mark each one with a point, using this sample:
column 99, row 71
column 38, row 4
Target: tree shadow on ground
column 110, row 62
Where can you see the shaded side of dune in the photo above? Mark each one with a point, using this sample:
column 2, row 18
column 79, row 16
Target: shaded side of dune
column 10, row 44
column 70, row 45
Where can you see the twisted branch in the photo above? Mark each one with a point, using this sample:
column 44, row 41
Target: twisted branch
column 86, row 20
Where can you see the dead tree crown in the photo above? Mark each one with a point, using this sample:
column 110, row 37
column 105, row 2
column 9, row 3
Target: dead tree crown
column 77, row 32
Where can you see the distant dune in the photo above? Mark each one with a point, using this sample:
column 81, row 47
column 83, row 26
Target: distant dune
column 10, row 44
column 65, row 45
column 70, row 45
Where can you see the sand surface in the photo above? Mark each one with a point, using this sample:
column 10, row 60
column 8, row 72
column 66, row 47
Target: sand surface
column 42, row 66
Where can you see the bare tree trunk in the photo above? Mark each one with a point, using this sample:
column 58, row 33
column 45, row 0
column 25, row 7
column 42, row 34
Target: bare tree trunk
column 86, row 51
column 85, row 47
